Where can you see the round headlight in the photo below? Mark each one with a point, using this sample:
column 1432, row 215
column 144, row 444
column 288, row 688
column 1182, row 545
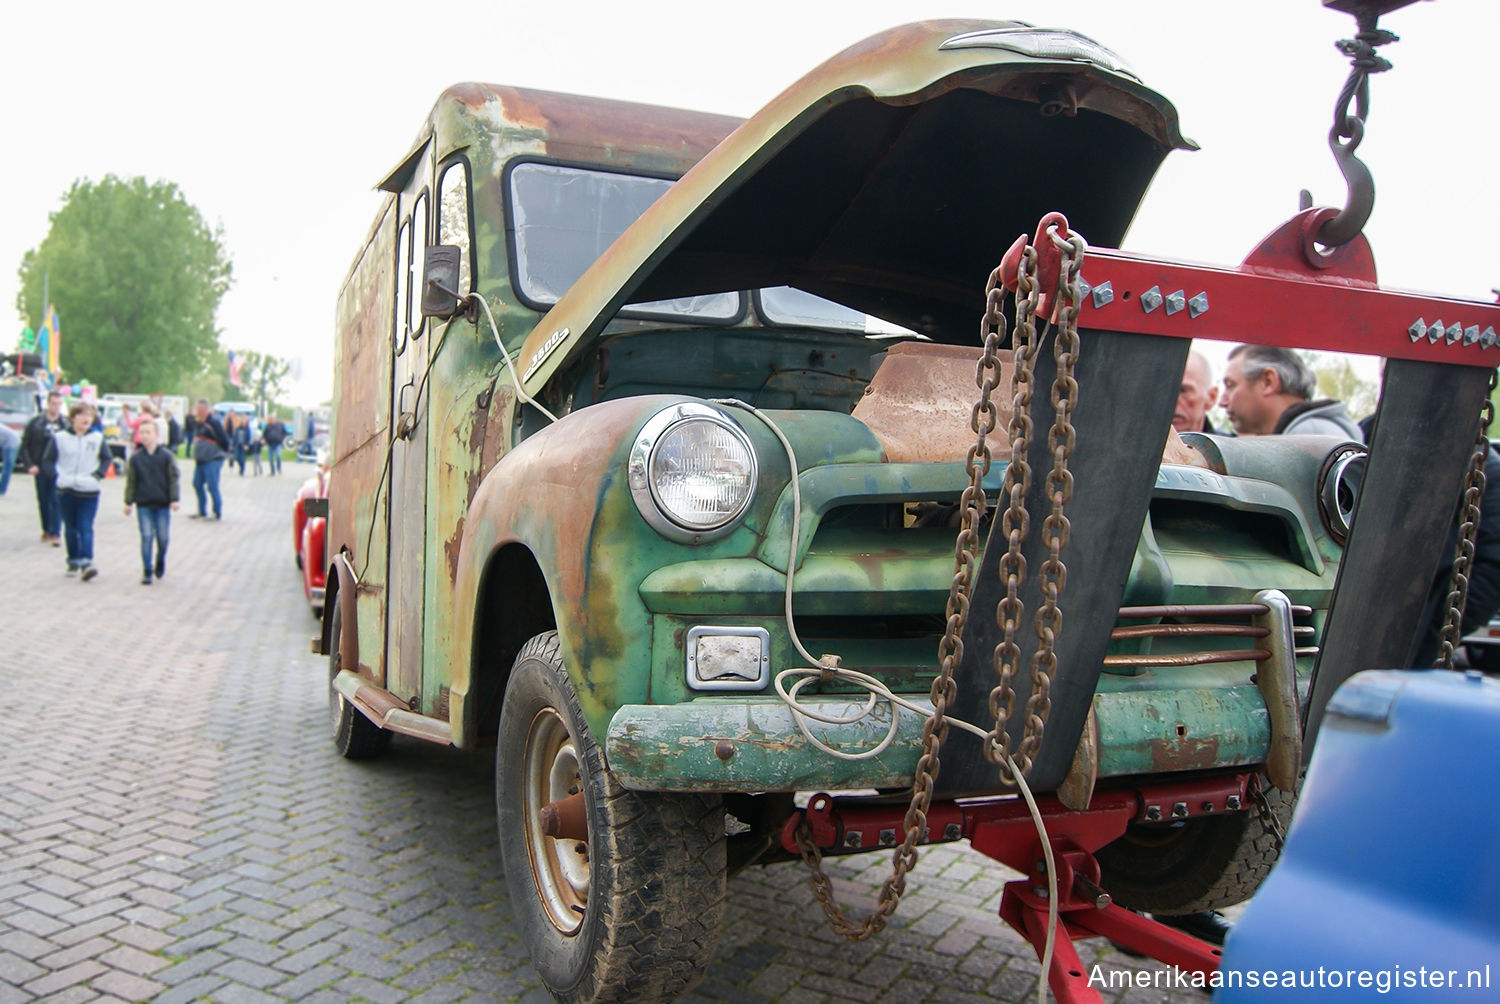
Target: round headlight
column 1338, row 488
column 692, row 471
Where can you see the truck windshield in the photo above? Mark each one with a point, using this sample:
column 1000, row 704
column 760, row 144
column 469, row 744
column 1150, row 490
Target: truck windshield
column 18, row 398
column 786, row 306
column 564, row 219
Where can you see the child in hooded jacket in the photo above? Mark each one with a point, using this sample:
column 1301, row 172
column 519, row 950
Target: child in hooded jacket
column 152, row 486
column 80, row 458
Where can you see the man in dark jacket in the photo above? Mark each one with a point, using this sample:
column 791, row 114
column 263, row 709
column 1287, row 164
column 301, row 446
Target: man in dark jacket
column 33, row 448
column 151, row 486
column 274, row 435
column 210, row 447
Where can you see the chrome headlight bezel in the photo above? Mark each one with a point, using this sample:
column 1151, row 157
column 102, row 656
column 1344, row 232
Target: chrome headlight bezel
column 643, row 484
column 1339, row 482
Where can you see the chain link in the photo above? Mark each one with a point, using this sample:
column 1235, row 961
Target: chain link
column 1267, row 814
column 1458, row 583
column 973, row 504
column 1061, row 439
column 1015, row 524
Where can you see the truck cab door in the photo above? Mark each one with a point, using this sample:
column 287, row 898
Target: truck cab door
column 405, row 595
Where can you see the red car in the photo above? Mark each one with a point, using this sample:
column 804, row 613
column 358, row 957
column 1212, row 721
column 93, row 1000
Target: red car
column 307, row 537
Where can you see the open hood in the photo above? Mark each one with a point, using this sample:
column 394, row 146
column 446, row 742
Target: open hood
column 891, row 179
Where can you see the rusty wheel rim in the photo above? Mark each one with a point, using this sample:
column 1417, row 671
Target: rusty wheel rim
column 559, row 868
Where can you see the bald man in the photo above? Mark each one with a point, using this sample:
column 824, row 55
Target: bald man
column 1199, row 393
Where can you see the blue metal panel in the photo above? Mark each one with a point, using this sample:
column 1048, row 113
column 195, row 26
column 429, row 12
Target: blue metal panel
column 1390, row 877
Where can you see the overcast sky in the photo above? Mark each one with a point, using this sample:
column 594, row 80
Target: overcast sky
column 277, row 119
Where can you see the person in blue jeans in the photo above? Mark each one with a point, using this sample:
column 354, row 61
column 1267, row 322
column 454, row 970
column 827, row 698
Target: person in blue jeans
column 275, row 435
column 34, row 443
column 210, row 447
column 81, row 457
column 10, row 445
column 151, row 486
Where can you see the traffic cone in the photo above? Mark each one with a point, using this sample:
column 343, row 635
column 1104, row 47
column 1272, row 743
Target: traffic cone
column 109, row 472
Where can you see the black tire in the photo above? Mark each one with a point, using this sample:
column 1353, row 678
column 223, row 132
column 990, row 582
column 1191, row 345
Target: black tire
column 1206, row 863
column 354, row 735
column 299, row 561
column 633, row 912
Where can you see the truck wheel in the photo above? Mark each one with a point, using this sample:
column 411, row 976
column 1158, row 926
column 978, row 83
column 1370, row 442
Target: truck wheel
column 630, row 912
column 1206, row 863
column 354, row 735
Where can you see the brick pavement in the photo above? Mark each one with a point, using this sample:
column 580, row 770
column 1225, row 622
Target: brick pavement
column 175, row 825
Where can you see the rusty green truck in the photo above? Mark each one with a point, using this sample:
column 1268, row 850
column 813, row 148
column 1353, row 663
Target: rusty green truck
column 576, row 354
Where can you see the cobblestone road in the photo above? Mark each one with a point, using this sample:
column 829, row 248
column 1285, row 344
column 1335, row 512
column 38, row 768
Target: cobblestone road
column 175, row 826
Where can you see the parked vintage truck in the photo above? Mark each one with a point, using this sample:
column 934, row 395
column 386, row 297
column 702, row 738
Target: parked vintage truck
column 636, row 405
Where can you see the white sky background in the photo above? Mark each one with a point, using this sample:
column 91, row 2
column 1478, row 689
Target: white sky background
column 277, row 119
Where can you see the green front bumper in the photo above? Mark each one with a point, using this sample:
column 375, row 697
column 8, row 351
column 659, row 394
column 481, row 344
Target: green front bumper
column 752, row 744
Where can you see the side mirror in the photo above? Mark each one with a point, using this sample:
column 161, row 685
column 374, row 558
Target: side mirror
column 440, row 281
column 313, row 508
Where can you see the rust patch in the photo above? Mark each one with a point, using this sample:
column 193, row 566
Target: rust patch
column 920, row 400
column 920, row 404
column 1186, row 753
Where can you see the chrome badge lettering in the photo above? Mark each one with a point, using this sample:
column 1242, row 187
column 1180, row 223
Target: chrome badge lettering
column 553, row 341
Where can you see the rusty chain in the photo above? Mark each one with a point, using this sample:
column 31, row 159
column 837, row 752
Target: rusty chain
column 1061, row 439
column 1266, row 813
column 1015, row 524
column 983, row 420
column 1458, row 583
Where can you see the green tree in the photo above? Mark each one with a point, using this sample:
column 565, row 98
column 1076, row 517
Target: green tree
column 1339, row 380
column 137, row 277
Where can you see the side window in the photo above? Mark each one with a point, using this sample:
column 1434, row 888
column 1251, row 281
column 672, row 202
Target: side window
column 453, row 218
column 403, row 287
column 419, row 231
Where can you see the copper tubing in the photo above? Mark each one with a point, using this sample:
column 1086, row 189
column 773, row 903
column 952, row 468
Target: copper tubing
column 1185, row 659
column 1203, row 610
column 1183, row 630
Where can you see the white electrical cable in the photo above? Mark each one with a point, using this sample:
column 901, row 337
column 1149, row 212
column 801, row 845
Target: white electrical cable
column 520, row 391
column 878, row 691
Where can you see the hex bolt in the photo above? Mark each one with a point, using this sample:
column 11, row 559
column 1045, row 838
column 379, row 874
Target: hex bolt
column 887, row 838
column 1153, row 813
column 1232, row 802
column 1208, row 807
column 853, row 838
column 1179, row 810
column 952, row 831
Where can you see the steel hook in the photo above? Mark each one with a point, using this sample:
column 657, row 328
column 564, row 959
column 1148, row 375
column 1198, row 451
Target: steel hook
column 1350, row 221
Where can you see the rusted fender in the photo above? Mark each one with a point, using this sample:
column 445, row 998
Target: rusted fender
column 545, row 495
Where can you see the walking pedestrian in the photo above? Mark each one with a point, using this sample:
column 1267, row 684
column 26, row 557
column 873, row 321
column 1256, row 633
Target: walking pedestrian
column 174, row 432
column 81, row 458
column 254, row 435
column 151, row 485
column 210, row 447
column 275, row 435
column 239, row 439
column 10, row 445
column 34, row 442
